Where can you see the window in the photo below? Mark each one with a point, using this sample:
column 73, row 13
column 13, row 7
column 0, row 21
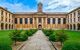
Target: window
column 59, row 20
column 64, row 20
column 20, row 20
column 26, row 20
column 53, row 21
column 31, row 20
column 39, row 20
column 1, row 12
column 15, row 20
column 48, row 20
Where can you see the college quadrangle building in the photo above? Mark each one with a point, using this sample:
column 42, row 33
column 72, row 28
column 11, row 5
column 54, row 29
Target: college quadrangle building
column 39, row 19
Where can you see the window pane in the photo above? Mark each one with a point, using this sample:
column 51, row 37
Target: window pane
column 64, row 20
column 31, row 20
column 16, row 21
column 48, row 20
column 20, row 20
column 53, row 20
column 26, row 20
column 59, row 20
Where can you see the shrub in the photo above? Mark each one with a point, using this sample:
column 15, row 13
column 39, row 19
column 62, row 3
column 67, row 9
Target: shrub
column 29, row 33
column 71, row 46
column 52, row 37
column 15, row 36
column 4, row 46
column 48, row 32
column 23, row 36
column 61, row 37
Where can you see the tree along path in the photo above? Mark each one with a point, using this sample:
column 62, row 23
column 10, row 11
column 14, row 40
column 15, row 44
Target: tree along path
column 38, row 42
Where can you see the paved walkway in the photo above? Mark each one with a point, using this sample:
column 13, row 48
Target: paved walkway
column 38, row 42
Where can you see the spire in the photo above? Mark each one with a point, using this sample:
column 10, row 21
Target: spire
column 40, row 7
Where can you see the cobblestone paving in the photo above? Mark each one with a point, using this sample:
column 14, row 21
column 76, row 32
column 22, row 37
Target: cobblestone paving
column 38, row 42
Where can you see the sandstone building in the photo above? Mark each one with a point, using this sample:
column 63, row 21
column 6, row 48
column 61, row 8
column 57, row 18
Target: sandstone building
column 39, row 19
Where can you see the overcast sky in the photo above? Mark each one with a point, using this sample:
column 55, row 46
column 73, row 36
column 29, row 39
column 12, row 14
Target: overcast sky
column 48, row 5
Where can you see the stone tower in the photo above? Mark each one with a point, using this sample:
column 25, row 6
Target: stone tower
column 40, row 5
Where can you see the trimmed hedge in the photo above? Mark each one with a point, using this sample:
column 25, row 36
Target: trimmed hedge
column 23, row 36
column 71, row 46
column 31, row 32
column 52, row 37
column 48, row 32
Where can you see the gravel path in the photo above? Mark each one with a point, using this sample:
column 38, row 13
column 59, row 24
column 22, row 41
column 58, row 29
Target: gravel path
column 38, row 42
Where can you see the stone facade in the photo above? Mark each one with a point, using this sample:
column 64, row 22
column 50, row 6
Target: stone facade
column 6, row 19
column 40, row 19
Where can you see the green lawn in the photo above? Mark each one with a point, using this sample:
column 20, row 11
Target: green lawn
column 4, row 36
column 73, row 36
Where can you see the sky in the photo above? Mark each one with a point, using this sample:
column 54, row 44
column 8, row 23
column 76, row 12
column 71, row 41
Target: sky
column 48, row 5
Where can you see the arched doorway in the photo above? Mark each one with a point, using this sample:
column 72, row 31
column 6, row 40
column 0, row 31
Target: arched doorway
column 2, row 26
column 78, row 26
column 39, row 27
column 70, row 26
column 74, row 26
column 6, row 26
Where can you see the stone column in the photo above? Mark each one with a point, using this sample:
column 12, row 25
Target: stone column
column 4, row 16
column 7, row 26
column 76, row 19
column 72, row 17
column 69, row 22
column 28, row 23
column 76, row 16
column 46, row 22
column 56, row 22
column 42, row 23
column 0, row 19
column 51, row 23
column 23, row 23
column 76, row 27
column 37, row 22
column 62, row 23
column 72, row 27
column 33, row 24
column 0, row 16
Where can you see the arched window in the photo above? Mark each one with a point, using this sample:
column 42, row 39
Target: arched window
column 48, row 20
column 53, row 20
column 59, row 20
column 31, row 20
column 20, row 20
column 26, row 20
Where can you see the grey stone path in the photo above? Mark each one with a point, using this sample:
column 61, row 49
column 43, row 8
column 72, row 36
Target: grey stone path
column 38, row 42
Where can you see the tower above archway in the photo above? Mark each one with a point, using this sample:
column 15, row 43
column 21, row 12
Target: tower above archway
column 40, row 7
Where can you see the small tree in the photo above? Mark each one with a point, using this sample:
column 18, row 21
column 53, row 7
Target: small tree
column 15, row 36
column 52, row 37
column 61, row 37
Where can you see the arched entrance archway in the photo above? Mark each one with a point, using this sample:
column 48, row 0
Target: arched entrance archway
column 78, row 26
column 6, row 26
column 2, row 26
column 70, row 26
column 40, row 26
column 74, row 26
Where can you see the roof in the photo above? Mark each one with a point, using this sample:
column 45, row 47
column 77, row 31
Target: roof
column 6, row 10
column 40, row 13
